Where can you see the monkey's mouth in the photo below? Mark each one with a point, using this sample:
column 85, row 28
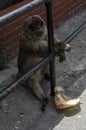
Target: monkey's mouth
column 39, row 33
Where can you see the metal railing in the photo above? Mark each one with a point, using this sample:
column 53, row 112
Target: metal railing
column 49, row 58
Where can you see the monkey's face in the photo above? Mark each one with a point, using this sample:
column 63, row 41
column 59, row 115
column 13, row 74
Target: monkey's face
column 34, row 26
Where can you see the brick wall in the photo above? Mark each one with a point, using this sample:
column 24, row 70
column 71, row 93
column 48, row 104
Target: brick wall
column 10, row 33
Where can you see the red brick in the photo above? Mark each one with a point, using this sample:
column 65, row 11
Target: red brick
column 12, row 25
column 13, row 33
column 58, row 19
column 11, row 41
column 11, row 48
column 37, row 11
column 71, row 8
column 80, row 7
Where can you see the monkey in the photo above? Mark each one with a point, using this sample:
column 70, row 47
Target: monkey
column 32, row 49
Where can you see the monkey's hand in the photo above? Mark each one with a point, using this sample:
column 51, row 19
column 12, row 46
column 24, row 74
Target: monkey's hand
column 61, row 54
column 60, row 49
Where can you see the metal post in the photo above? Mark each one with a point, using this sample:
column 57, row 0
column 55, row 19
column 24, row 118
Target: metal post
column 51, row 44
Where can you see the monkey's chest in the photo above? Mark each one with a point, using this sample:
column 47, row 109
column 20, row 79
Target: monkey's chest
column 32, row 61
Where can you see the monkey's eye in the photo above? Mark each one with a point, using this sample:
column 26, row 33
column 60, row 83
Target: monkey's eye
column 31, row 26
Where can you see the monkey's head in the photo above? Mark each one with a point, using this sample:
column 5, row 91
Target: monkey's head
column 34, row 26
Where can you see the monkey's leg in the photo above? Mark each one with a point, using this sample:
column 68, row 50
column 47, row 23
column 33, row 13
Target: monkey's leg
column 34, row 85
column 46, row 72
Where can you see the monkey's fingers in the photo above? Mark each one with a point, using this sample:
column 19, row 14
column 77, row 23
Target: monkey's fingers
column 61, row 55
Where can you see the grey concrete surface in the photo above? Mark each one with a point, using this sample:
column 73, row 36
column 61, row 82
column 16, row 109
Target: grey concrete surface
column 21, row 110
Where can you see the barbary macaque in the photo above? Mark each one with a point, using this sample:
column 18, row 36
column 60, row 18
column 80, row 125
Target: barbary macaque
column 33, row 47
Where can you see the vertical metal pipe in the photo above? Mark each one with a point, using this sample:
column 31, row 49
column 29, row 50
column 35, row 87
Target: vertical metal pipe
column 51, row 44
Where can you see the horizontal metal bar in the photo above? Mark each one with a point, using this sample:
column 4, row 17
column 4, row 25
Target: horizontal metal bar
column 20, row 11
column 75, row 33
column 11, row 87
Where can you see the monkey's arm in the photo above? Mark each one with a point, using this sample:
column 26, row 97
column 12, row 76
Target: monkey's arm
column 60, row 49
column 58, row 44
column 43, row 49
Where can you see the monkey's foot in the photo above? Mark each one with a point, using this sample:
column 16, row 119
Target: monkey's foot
column 44, row 104
column 62, row 101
